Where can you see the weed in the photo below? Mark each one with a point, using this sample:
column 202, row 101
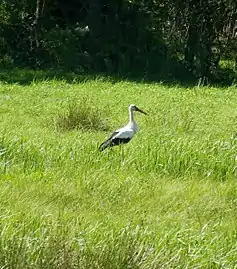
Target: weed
column 81, row 116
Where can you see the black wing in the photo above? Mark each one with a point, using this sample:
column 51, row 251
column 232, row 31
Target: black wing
column 107, row 143
column 117, row 141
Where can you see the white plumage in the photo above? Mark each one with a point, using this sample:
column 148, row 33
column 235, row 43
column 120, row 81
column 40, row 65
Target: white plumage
column 125, row 134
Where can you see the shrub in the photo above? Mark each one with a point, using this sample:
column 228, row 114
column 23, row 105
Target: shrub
column 81, row 116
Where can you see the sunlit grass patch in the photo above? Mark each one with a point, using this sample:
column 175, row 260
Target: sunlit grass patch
column 171, row 203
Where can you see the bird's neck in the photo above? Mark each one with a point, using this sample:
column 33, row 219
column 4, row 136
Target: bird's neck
column 131, row 116
column 132, row 123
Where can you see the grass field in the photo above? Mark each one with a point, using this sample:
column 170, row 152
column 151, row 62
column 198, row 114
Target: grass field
column 170, row 203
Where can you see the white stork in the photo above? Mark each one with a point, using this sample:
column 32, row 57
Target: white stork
column 125, row 134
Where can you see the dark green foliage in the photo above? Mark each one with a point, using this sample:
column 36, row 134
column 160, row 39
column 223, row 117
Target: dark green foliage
column 175, row 39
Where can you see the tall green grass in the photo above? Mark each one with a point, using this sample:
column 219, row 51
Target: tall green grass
column 83, row 115
column 168, row 202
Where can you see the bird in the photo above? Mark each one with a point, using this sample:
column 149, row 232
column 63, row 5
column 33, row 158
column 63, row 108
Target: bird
column 124, row 134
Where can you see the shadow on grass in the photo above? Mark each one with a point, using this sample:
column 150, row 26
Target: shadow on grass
column 23, row 76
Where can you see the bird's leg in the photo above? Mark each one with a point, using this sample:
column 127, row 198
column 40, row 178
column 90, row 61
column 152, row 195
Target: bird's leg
column 122, row 155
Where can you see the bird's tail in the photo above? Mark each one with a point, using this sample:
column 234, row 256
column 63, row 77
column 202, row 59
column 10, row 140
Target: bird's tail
column 107, row 143
column 104, row 145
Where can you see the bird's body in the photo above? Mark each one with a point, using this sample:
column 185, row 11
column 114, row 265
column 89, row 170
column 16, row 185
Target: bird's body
column 125, row 134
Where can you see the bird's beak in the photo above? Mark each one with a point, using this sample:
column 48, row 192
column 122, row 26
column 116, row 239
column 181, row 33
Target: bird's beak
column 138, row 109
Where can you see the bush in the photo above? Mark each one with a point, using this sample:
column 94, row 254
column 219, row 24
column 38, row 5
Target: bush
column 81, row 116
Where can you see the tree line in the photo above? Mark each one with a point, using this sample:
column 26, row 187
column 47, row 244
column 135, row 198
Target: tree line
column 165, row 37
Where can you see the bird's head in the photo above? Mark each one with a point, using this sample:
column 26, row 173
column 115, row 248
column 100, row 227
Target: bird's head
column 135, row 108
